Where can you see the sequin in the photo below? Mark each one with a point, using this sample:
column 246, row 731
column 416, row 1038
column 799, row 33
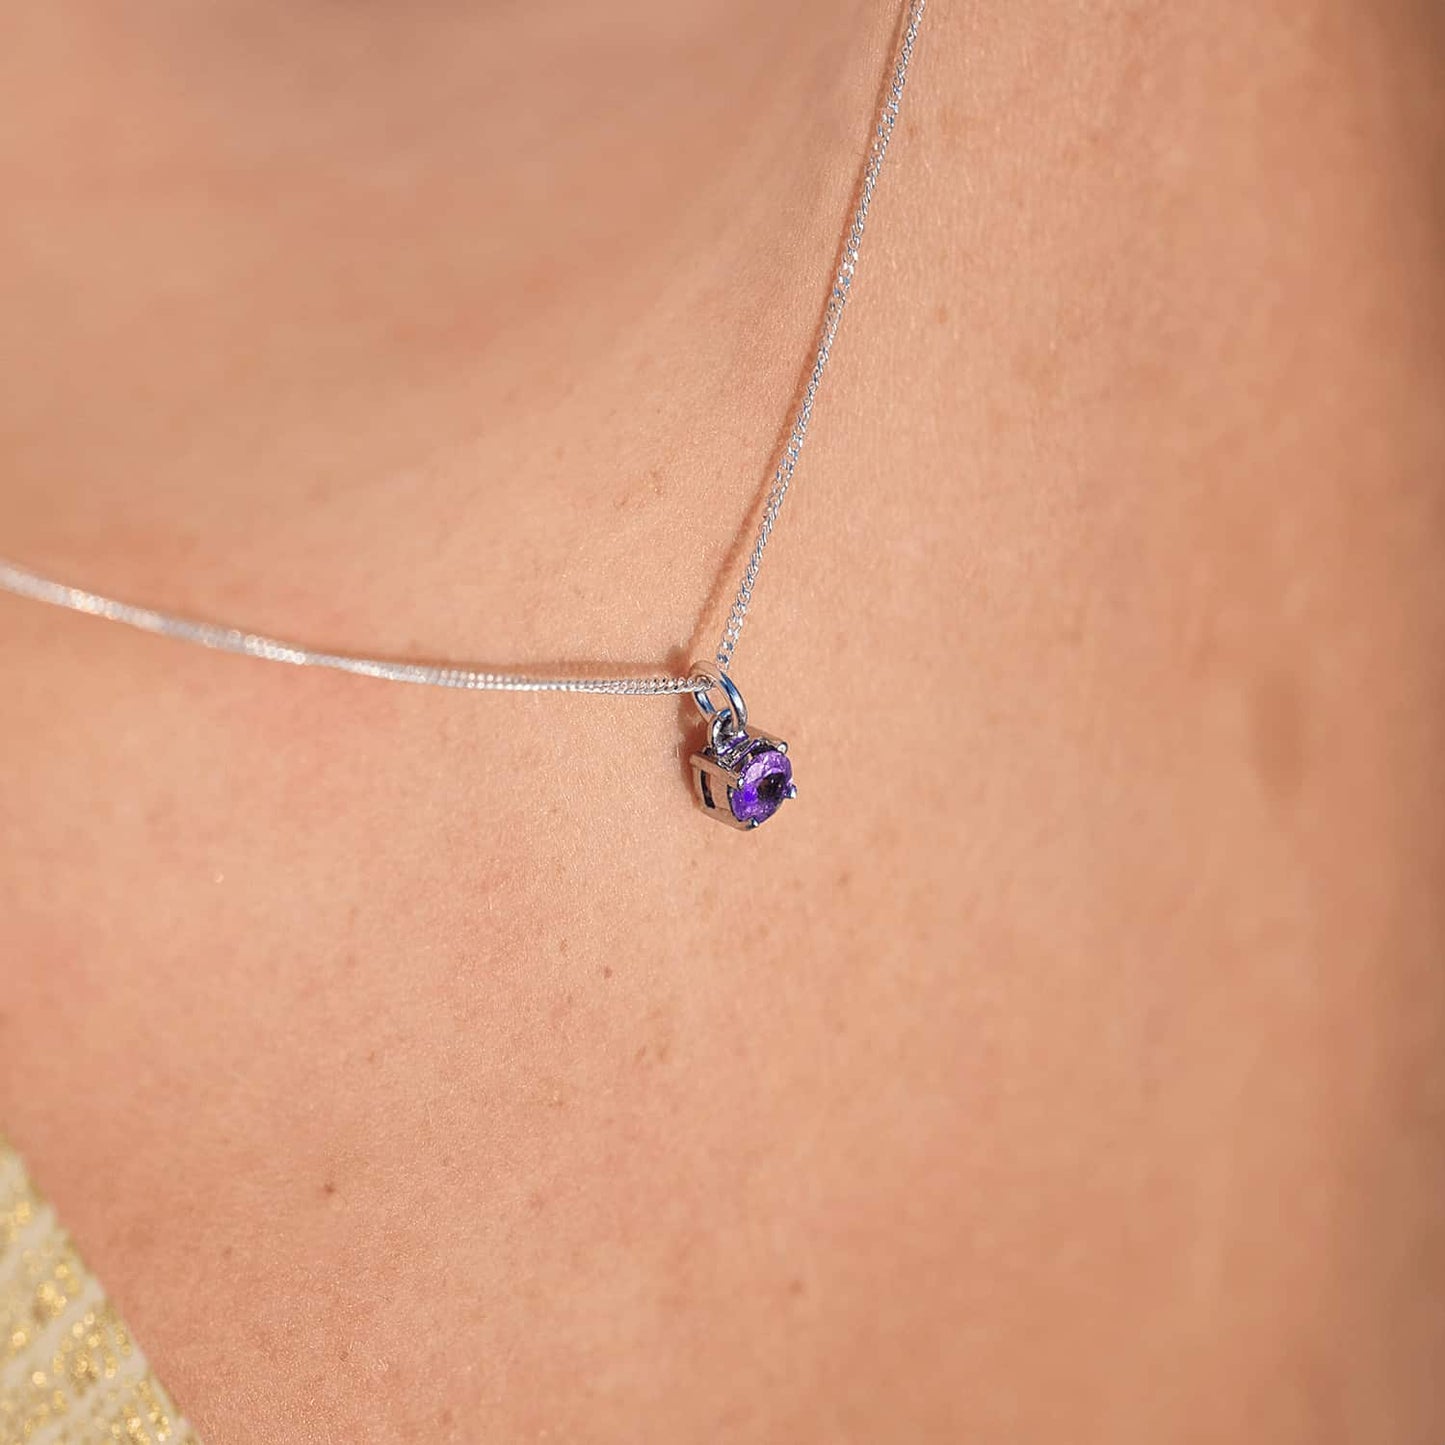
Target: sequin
column 70, row 1371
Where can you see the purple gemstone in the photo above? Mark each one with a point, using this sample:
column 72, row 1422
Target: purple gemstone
column 765, row 783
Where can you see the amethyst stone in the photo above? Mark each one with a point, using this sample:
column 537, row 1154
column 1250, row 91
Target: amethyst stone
column 765, row 782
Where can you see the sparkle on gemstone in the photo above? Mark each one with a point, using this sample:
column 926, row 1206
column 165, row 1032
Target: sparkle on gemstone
column 764, row 784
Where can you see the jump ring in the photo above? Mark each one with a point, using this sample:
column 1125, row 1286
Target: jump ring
column 735, row 706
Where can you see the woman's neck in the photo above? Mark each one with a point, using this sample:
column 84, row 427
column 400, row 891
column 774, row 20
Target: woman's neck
column 335, row 273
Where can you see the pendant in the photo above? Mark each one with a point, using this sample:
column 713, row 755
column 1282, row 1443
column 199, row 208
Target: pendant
column 742, row 777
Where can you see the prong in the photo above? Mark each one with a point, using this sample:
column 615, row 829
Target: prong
column 753, row 823
column 792, row 790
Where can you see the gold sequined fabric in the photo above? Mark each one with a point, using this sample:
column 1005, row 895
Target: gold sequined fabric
column 70, row 1371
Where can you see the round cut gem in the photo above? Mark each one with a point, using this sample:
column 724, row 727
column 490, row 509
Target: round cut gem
column 764, row 784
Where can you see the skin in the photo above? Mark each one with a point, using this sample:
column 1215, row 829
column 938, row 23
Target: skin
column 1066, row 1062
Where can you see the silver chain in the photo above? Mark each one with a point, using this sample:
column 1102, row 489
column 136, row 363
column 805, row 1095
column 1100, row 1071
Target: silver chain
column 832, row 316
column 251, row 644
column 24, row 583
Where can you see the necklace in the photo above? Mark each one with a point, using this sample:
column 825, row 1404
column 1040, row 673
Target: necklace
column 741, row 776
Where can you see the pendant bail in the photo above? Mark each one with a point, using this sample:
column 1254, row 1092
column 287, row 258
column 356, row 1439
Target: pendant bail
column 732, row 716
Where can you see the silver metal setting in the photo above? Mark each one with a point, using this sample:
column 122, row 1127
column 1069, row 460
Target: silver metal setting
column 717, row 772
column 720, row 770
